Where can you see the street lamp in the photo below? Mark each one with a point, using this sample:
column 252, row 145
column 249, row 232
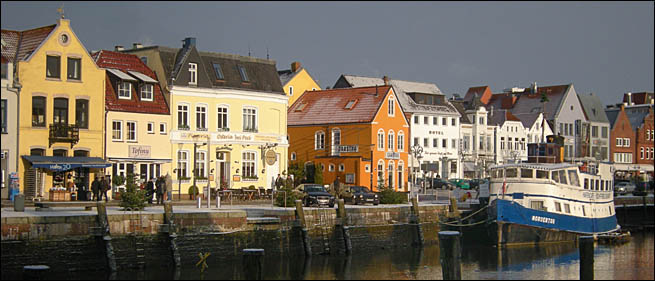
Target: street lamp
column 417, row 152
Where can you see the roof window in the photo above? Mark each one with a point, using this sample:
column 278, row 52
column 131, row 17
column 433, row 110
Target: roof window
column 301, row 106
column 218, row 71
column 244, row 75
column 351, row 104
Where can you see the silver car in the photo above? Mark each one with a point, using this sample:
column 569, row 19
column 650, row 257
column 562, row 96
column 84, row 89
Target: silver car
column 624, row 187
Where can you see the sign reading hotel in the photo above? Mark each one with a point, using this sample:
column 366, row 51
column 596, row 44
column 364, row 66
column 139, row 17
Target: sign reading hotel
column 139, row 151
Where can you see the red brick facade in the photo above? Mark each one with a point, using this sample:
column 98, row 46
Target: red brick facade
column 619, row 132
column 644, row 140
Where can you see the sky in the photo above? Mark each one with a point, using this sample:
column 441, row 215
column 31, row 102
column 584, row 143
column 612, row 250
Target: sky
column 605, row 48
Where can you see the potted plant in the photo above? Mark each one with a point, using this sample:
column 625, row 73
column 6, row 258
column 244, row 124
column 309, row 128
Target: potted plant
column 193, row 192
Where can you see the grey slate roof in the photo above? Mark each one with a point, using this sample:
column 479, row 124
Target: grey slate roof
column 286, row 75
column 460, row 106
column 636, row 116
column 612, row 114
column 530, row 103
column 528, row 119
column 593, row 108
column 402, row 88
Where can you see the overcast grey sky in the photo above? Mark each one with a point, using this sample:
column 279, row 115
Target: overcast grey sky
column 601, row 47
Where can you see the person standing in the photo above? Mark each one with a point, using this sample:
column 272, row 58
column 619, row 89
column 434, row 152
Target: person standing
column 104, row 186
column 95, row 188
column 279, row 182
column 150, row 190
column 336, row 185
column 168, row 187
column 160, row 190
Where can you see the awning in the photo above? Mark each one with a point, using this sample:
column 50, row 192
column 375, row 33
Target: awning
column 60, row 163
column 121, row 75
column 142, row 77
column 633, row 167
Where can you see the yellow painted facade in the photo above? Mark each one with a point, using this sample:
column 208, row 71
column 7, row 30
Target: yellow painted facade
column 232, row 144
column 63, row 43
column 300, row 83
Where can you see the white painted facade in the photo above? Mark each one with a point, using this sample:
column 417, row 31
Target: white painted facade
column 439, row 139
column 511, row 142
column 477, row 145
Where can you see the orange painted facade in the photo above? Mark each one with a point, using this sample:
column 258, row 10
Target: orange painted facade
column 356, row 168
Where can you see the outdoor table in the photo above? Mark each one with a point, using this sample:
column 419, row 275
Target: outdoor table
column 227, row 194
column 250, row 193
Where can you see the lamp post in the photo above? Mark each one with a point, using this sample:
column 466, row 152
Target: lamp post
column 417, row 153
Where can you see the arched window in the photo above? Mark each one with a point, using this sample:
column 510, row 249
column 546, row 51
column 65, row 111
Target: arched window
column 331, row 168
column 319, row 140
column 390, row 174
column 380, row 140
column 380, row 172
column 401, row 141
column 390, row 141
column 401, row 167
column 392, row 108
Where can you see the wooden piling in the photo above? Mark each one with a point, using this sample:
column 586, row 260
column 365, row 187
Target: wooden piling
column 300, row 216
column 449, row 244
column 341, row 213
column 35, row 272
column 103, row 222
column 586, row 248
column 300, row 213
column 253, row 264
column 416, row 220
column 172, row 236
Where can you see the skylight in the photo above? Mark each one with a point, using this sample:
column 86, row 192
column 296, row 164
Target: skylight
column 351, row 104
column 244, row 75
column 301, row 106
column 218, row 71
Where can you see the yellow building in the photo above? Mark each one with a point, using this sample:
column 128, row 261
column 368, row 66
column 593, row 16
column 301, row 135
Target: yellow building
column 296, row 81
column 61, row 109
column 228, row 117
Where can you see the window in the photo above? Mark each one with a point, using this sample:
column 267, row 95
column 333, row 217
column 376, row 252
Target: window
column 146, row 92
column 182, row 164
column 37, row 152
column 250, row 120
column 182, row 117
column 454, row 121
column 416, row 141
column 453, row 167
column 331, row 168
column 481, row 142
column 603, row 132
column 193, row 73
column 434, row 121
column 222, row 118
column 349, row 105
column 537, row 205
column 162, row 128
column 144, row 60
column 481, row 121
column 3, row 121
column 415, row 119
column 80, row 153
column 594, row 131
column 336, row 141
column 444, row 121
column 200, row 164
column 244, row 75
column 218, row 71
column 626, row 142
column 390, row 174
column 502, row 143
column 291, row 90
column 342, row 167
column 52, row 67
column 392, row 108
column 151, row 127
column 116, row 130
column 527, row 173
column 319, row 140
column 511, row 173
column 425, row 120
column 124, row 90
column 60, row 111
column 562, row 177
column 293, row 156
column 435, row 143
column 425, row 142
column 444, row 143
column 641, row 150
column 248, row 165
column 558, row 207
column 201, row 118
column 390, row 141
column 74, row 69
column 454, row 143
column 380, row 140
column 573, row 176
column 401, row 141
column 82, row 113
column 131, row 131
column 367, row 168
column 5, row 70
column 60, row 152
column 586, row 183
column 542, row 174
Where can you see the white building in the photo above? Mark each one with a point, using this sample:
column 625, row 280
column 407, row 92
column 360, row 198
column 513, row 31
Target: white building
column 510, row 136
column 477, row 148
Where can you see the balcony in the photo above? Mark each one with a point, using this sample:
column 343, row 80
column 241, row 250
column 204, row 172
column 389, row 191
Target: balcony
column 223, row 129
column 250, row 130
column 64, row 133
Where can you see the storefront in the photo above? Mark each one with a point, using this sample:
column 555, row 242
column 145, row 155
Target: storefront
column 69, row 175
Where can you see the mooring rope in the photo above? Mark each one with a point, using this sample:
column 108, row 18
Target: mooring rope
column 470, row 224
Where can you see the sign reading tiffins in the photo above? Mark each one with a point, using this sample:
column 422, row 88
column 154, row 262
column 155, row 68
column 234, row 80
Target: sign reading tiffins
column 139, row 151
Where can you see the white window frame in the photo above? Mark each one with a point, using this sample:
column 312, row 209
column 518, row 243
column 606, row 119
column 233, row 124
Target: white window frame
column 293, row 156
column 380, row 172
column 202, row 118
column 201, row 163
column 145, row 90
column 401, row 141
column 335, row 145
column 319, row 140
column 150, row 127
column 380, row 140
column 641, row 150
column 193, row 73
column 626, row 141
column 392, row 108
column 185, row 112
column 390, row 141
column 245, row 161
column 331, row 167
column 226, row 116
column 247, row 114
column 184, row 163
column 391, row 169
column 120, row 130
column 121, row 90
column 164, row 131
column 127, row 131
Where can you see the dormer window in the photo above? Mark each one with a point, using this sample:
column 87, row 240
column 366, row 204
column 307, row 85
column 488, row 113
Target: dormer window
column 146, row 92
column 301, row 106
column 124, row 90
column 244, row 75
column 193, row 73
column 218, row 71
column 351, row 104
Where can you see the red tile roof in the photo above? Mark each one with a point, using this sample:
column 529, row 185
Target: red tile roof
column 329, row 106
column 483, row 93
column 21, row 44
column 125, row 63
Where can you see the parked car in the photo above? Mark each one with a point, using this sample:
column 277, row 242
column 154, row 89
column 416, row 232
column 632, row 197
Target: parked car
column 316, row 194
column 641, row 189
column 360, row 195
column 442, row 184
column 461, row 183
column 624, row 187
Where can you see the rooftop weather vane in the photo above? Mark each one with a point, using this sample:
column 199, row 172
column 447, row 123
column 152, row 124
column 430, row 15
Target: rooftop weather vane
column 60, row 10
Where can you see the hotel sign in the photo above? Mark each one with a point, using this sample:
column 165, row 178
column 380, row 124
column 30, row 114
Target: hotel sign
column 139, row 151
column 348, row 148
column 392, row 155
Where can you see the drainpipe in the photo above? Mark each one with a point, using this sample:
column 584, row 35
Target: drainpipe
column 18, row 87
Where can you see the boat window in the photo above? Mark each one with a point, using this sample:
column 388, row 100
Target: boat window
column 610, row 208
column 586, row 183
column 584, row 211
column 562, row 177
column 573, row 176
column 558, row 207
column 494, row 173
column 537, row 205
column 527, row 173
column 501, row 173
column 602, row 185
column 542, row 174
column 555, row 176
column 597, row 185
column 511, row 173
column 567, row 208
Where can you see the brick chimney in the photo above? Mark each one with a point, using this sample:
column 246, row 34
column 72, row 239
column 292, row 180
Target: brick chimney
column 386, row 80
column 295, row 66
column 137, row 45
column 118, row 48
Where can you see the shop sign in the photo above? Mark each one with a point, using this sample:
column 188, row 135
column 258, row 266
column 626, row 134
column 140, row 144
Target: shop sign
column 348, row 148
column 271, row 157
column 267, row 138
column 236, row 178
column 233, row 137
column 139, row 151
column 392, row 155
column 435, row 133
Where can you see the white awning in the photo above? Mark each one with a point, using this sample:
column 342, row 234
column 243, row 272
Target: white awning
column 142, row 77
column 633, row 167
column 121, row 75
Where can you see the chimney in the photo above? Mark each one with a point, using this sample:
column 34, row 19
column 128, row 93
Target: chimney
column 295, row 66
column 137, row 45
column 188, row 42
column 534, row 87
column 630, row 98
column 118, row 48
column 386, row 80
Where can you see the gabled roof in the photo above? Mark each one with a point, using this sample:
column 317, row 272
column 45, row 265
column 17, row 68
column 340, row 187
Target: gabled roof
column 482, row 92
column 593, row 108
column 129, row 64
column 286, row 75
column 499, row 117
column 531, row 102
column 402, row 88
column 329, row 106
column 21, row 44
column 636, row 116
column 461, row 108
column 612, row 115
column 528, row 119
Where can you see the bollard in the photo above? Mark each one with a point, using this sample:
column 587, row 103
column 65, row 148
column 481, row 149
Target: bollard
column 253, row 264
column 209, row 199
column 198, row 202
column 35, row 272
column 341, row 213
column 586, row 248
column 218, row 200
column 19, row 202
column 449, row 248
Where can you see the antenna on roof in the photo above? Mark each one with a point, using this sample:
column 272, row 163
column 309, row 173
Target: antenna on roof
column 60, row 10
column 267, row 57
column 248, row 48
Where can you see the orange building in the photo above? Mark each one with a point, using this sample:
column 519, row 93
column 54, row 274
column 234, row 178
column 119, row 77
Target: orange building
column 357, row 134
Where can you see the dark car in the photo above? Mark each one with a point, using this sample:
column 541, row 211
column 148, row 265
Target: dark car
column 316, row 194
column 360, row 195
column 442, row 184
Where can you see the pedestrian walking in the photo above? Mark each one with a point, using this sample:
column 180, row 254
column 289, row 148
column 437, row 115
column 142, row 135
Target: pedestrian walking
column 95, row 188
column 279, row 182
column 160, row 190
column 150, row 190
column 104, row 184
column 168, row 187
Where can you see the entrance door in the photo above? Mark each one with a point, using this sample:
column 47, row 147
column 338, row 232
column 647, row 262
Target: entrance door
column 223, row 170
column 272, row 171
